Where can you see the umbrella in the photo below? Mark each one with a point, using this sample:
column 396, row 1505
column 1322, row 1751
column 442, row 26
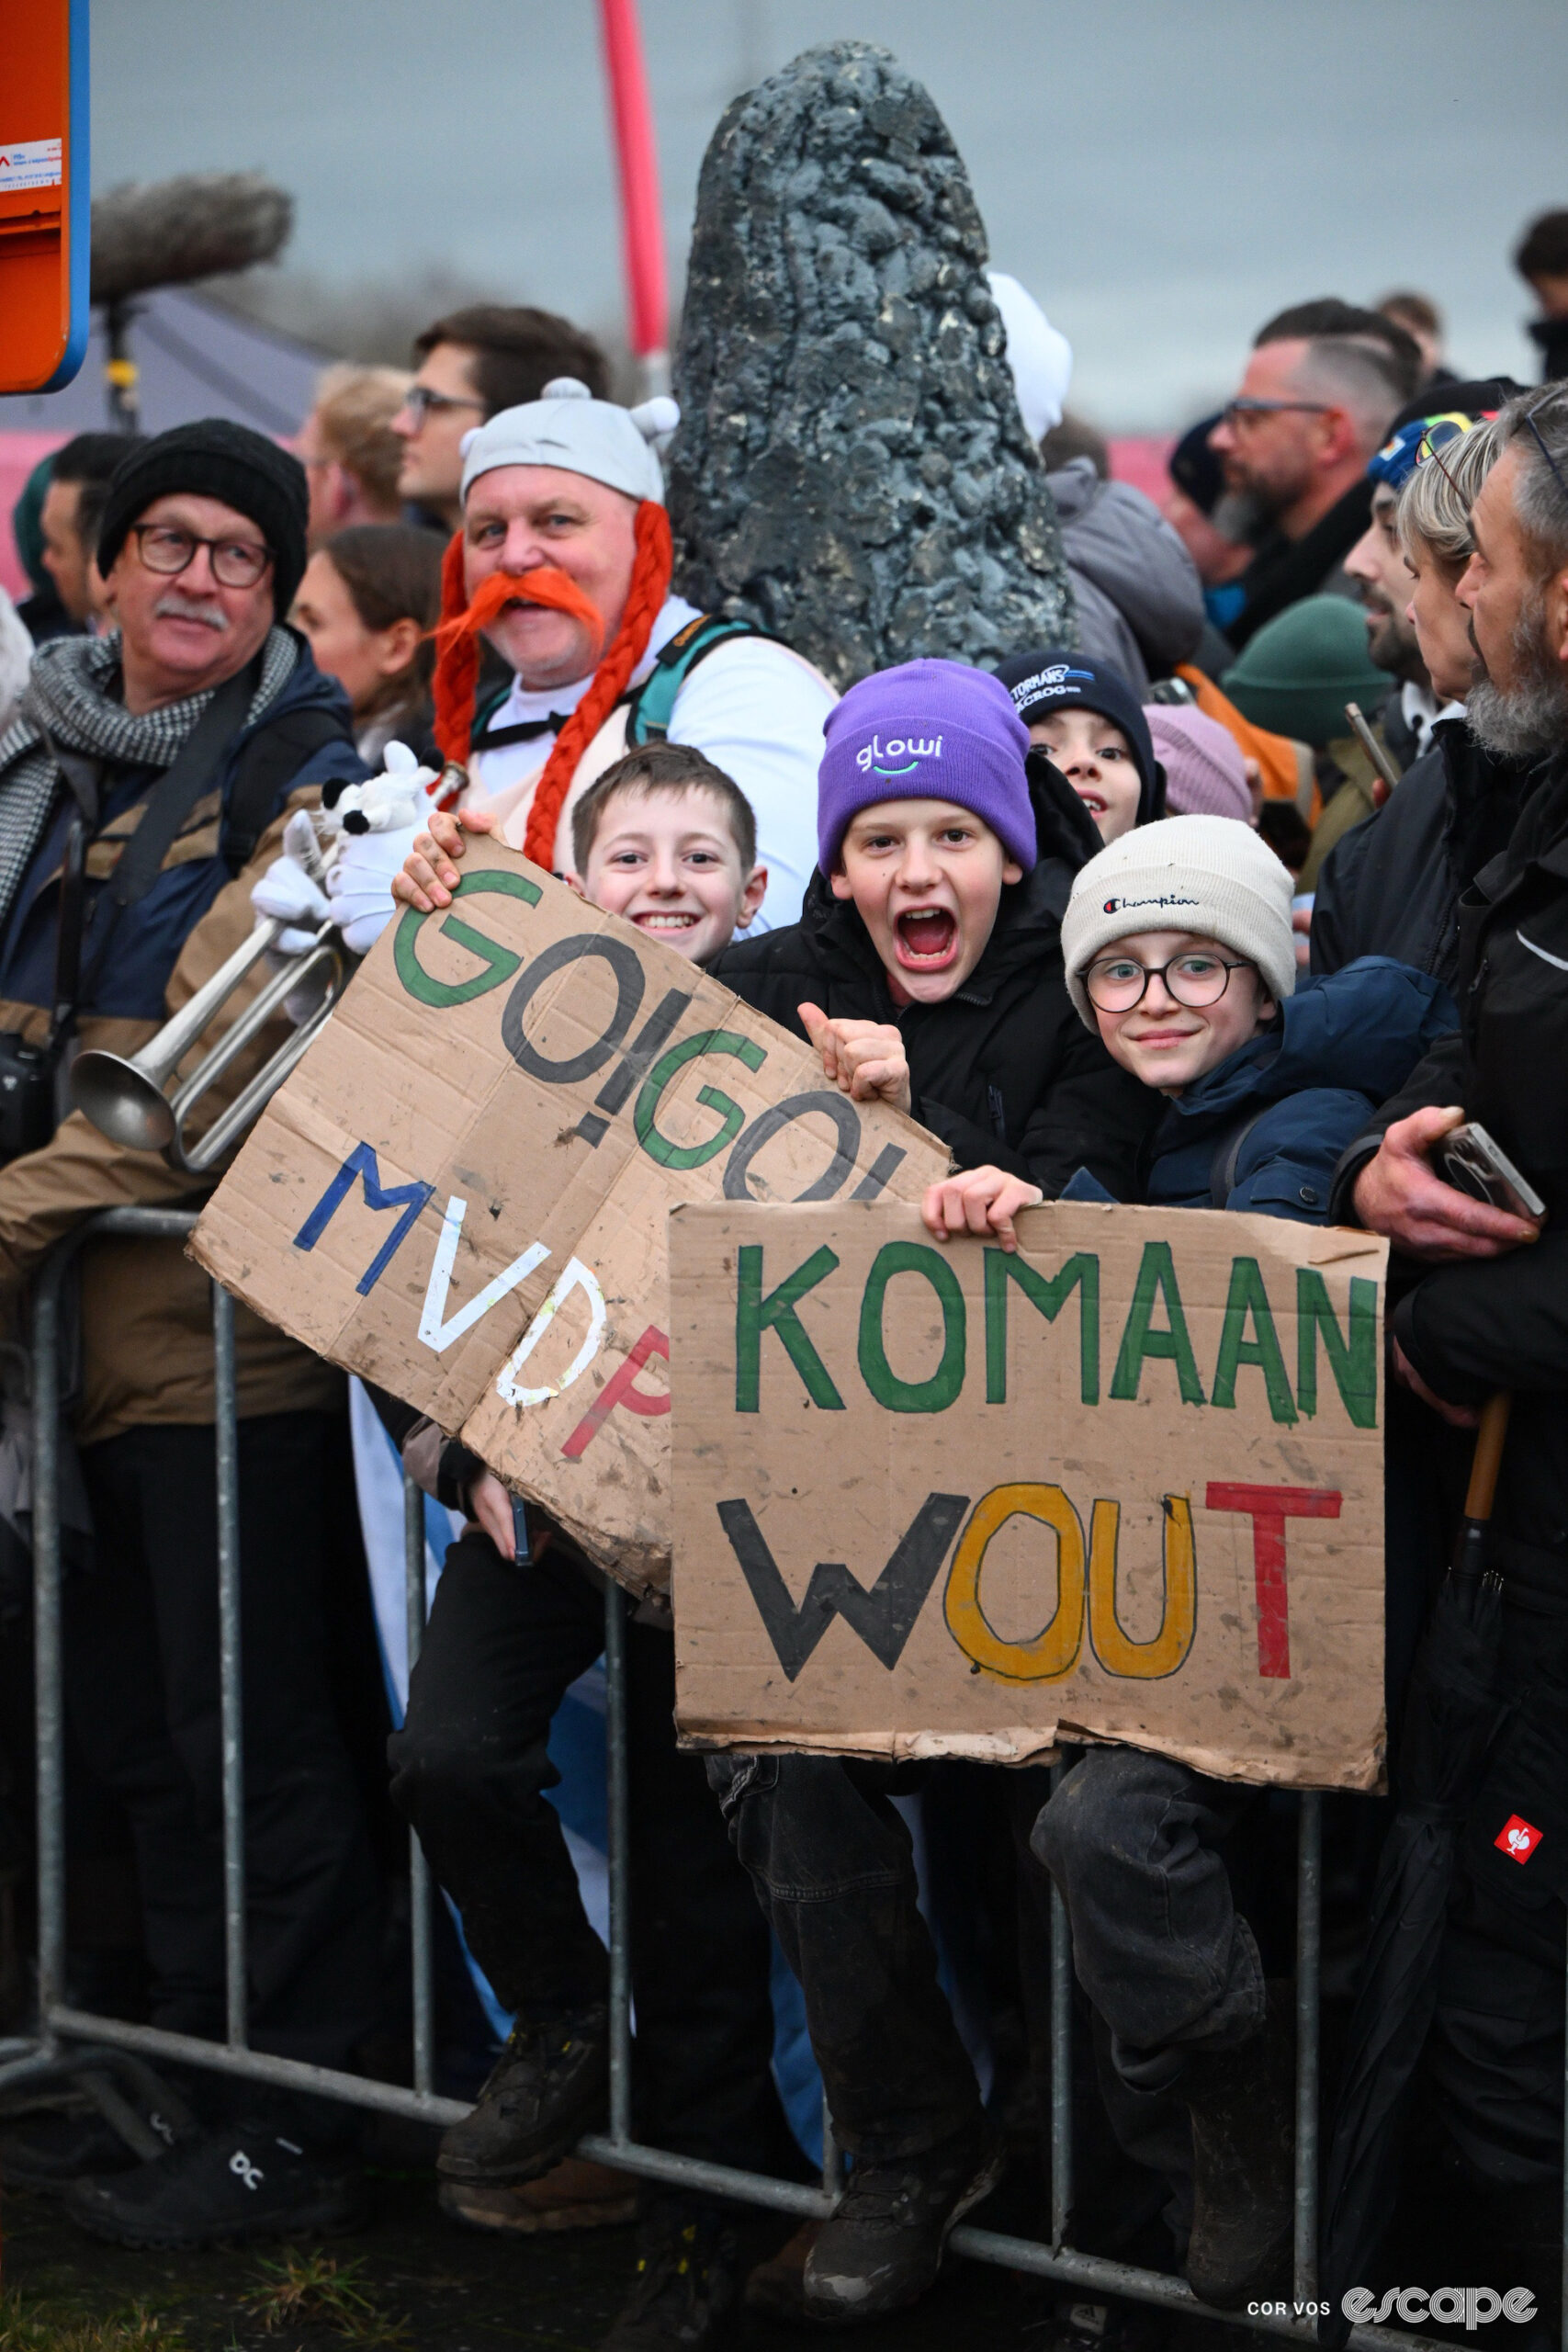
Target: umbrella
column 1451, row 1718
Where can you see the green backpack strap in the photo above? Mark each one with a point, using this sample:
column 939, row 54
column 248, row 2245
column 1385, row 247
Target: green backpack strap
column 652, row 706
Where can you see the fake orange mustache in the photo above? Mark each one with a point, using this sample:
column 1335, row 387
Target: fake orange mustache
column 544, row 586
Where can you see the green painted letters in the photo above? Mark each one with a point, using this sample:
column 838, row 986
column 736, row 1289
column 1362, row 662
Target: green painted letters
column 1352, row 1358
column 499, row 963
column 1249, row 1296
column 755, row 1314
column 1155, row 1272
column 1050, row 1294
column 936, row 1393
column 645, row 1117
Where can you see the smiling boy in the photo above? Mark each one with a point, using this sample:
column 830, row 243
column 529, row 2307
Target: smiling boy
column 667, row 841
column 1180, row 954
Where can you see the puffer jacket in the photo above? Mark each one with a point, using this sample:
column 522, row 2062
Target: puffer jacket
column 1139, row 599
column 1003, row 1070
column 1264, row 1130
column 146, row 1320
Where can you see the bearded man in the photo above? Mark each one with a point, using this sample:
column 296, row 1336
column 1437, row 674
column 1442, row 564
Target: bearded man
column 1490, row 1313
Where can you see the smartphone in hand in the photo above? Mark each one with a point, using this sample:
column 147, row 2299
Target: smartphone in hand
column 1474, row 1162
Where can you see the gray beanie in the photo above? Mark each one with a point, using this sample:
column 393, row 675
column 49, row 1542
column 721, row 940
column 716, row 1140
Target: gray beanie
column 1209, row 875
column 566, row 426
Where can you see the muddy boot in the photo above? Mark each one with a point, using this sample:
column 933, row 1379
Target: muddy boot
column 549, row 2085
column 884, row 2245
column 687, row 2281
column 573, row 2195
column 1242, row 2102
column 778, row 2285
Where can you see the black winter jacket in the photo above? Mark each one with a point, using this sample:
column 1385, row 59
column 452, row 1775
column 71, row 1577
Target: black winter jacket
column 1392, row 886
column 1503, row 1322
column 1004, row 1071
column 1284, row 571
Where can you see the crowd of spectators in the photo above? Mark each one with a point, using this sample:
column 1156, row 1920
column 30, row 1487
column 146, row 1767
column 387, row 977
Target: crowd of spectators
column 1320, row 700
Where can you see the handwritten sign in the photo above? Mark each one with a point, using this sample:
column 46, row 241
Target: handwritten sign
column 1127, row 1482
column 462, row 1191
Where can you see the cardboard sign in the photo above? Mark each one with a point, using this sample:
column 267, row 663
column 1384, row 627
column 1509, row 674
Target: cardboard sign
column 462, row 1191
column 1127, row 1482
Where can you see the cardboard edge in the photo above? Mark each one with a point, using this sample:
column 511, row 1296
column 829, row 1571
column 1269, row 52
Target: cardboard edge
column 1017, row 1745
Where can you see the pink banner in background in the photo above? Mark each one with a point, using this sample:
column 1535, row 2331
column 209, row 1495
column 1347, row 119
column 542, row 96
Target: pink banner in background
column 19, row 453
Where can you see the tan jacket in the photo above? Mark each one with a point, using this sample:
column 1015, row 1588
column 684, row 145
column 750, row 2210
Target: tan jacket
column 146, row 1308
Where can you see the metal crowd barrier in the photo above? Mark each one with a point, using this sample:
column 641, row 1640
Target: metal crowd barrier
column 73, row 2044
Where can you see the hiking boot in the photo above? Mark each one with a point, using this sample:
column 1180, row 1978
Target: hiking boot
column 221, row 2188
column 884, row 2246
column 1242, row 2102
column 573, row 2195
column 687, row 2283
column 778, row 2285
column 548, row 2088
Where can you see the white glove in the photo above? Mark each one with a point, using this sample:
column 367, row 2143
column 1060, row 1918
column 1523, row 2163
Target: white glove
column 287, row 893
column 359, row 884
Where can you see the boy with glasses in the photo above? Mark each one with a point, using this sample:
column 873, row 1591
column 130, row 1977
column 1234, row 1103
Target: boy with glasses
column 1180, row 956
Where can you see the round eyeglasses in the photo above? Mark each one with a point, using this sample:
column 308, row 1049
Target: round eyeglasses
column 1116, row 983
column 236, row 563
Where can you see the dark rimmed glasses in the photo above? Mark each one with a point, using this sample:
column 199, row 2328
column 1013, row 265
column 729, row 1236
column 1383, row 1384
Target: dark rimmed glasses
column 165, row 547
column 1116, row 983
column 420, row 402
column 1243, row 409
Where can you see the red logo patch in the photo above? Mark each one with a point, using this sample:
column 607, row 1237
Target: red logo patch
column 1517, row 1839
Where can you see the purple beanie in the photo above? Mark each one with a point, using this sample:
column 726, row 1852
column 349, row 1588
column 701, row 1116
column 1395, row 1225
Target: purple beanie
column 1205, row 774
column 928, row 730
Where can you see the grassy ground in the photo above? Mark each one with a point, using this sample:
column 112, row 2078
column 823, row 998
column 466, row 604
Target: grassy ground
column 415, row 2282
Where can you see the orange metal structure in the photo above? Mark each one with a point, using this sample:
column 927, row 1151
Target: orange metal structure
column 43, row 193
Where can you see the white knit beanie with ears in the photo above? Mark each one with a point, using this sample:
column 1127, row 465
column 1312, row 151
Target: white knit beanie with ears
column 569, row 428
column 1211, row 875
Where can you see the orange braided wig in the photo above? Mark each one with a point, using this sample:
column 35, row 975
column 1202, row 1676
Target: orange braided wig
column 645, row 600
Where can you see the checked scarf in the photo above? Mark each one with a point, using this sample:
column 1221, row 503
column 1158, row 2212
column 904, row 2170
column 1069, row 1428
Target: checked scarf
column 71, row 700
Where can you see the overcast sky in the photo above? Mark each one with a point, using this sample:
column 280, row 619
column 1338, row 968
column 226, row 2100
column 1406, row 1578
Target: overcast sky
column 1161, row 174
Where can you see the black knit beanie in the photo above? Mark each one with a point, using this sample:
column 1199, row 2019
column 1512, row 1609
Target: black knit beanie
column 1052, row 679
column 216, row 459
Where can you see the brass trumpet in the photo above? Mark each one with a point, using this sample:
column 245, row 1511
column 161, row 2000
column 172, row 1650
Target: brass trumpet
column 126, row 1099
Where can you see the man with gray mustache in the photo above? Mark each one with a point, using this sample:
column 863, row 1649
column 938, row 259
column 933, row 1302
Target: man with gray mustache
column 144, row 788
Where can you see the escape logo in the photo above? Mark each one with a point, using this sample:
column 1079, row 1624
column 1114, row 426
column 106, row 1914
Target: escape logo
column 870, row 757
column 1471, row 2307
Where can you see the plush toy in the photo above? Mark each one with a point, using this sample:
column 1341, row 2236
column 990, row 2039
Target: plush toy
column 388, row 803
column 304, row 888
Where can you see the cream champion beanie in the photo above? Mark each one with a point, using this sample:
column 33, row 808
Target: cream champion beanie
column 1209, row 875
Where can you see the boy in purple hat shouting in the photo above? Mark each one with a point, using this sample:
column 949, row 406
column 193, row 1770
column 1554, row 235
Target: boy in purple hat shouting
column 927, row 966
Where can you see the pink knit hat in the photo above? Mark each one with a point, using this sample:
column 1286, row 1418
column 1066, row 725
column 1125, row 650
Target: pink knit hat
column 1204, row 772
